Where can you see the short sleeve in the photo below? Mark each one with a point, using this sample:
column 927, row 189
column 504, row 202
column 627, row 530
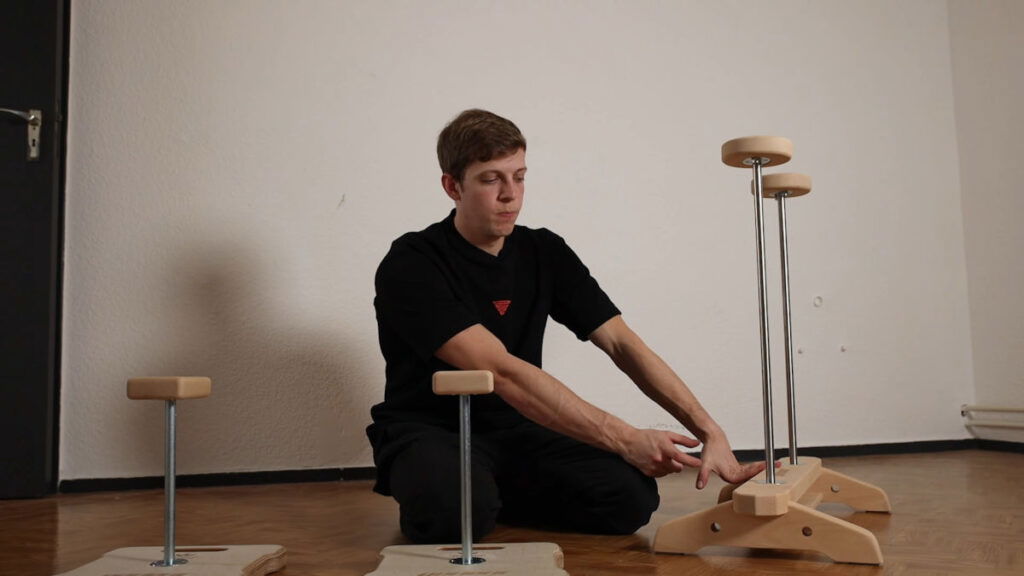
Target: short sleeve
column 579, row 303
column 418, row 302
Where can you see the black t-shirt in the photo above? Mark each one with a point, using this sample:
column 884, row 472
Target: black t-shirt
column 433, row 284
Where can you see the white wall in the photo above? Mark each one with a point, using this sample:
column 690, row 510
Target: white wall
column 237, row 169
column 987, row 41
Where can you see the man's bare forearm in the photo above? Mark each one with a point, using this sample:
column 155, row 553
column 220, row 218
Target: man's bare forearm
column 654, row 377
column 536, row 394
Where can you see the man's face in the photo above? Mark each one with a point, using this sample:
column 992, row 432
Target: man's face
column 488, row 199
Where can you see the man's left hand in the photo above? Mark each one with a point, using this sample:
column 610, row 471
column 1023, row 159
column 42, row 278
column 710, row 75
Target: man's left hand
column 717, row 457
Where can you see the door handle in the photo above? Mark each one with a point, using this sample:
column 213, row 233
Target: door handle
column 34, row 119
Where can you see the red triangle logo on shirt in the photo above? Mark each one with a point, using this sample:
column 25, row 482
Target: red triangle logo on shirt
column 502, row 306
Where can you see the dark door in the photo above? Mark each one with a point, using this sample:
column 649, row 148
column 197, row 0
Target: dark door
column 33, row 37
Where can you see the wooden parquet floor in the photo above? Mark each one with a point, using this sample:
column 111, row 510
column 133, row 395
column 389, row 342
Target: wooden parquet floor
column 956, row 513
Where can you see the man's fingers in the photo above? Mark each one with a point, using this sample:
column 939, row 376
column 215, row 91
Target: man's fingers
column 743, row 472
column 686, row 460
column 752, row 469
column 663, row 467
column 683, row 440
column 702, row 477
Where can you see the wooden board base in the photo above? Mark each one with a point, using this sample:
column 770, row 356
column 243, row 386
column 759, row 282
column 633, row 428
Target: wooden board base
column 525, row 559
column 783, row 516
column 800, row 528
column 202, row 561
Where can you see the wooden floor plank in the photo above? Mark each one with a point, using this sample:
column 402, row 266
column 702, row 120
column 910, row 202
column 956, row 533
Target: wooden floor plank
column 956, row 513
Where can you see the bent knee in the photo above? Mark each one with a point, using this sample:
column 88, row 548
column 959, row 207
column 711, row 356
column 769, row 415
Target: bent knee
column 442, row 526
column 627, row 510
column 435, row 517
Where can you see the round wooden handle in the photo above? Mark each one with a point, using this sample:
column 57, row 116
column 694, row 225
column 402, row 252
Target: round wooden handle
column 771, row 150
column 789, row 182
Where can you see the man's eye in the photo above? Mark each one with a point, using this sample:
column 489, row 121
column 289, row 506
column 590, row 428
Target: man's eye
column 490, row 180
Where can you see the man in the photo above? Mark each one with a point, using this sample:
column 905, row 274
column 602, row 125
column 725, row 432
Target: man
column 474, row 292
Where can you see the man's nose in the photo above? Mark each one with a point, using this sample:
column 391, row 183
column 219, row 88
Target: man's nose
column 508, row 192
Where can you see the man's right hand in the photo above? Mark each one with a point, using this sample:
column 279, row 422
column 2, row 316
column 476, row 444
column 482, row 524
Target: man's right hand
column 655, row 452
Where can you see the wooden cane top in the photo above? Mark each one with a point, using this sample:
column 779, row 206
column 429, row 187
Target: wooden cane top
column 772, row 150
column 791, row 183
column 169, row 387
column 458, row 382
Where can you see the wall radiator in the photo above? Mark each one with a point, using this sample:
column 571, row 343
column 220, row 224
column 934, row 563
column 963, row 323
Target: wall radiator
column 969, row 411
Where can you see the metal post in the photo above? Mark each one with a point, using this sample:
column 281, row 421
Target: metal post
column 465, row 453
column 788, row 326
column 169, row 559
column 766, row 372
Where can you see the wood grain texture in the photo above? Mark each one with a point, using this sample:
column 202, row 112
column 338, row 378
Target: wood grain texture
column 957, row 513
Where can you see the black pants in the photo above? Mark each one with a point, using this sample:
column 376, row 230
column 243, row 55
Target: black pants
column 524, row 476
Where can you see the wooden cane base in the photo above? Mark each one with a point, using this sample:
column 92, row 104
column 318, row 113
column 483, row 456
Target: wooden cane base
column 800, row 528
column 202, row 561
column 783, row 516
column 529, row 559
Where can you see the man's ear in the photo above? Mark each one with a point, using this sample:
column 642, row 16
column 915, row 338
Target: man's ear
column 451, row 187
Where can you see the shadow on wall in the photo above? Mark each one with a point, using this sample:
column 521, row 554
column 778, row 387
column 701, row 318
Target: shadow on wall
column 279, row 400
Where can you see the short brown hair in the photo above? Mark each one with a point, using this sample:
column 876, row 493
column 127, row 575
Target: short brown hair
column 476, row 136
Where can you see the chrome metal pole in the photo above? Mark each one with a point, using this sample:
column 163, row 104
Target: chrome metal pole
column 766, row 371
column 169, row 559
column 465, row 452
column 787, row 327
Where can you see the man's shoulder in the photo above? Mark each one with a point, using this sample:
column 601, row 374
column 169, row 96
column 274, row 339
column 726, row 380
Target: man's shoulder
column 414, row 252
column 541, row 234
column 543, row 239
column 430, row 238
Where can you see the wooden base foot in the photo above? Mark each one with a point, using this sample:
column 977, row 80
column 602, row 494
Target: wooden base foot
column 800, row 528
column 836, row 487
column 783, row 516
column 529, row 559
column 202, row 561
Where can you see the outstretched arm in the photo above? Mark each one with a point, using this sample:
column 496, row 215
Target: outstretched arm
column 545, row 400
column 660, row 383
